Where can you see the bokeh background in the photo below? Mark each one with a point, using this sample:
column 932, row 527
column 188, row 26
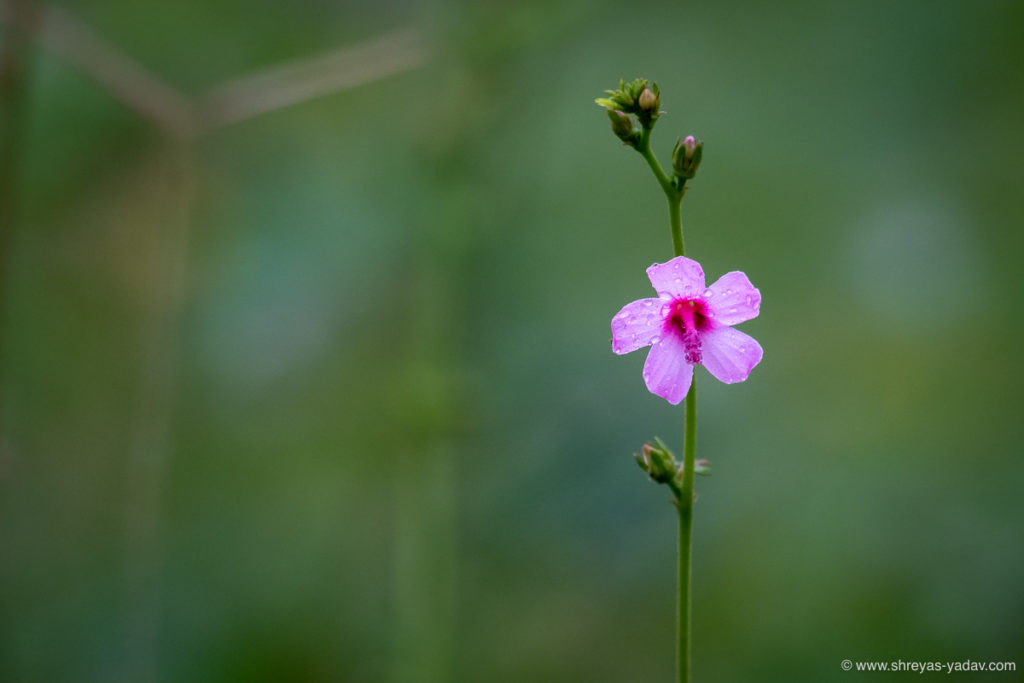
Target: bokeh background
column 326, row 393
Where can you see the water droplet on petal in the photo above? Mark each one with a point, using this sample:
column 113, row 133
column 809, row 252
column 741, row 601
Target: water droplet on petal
column 648, row 303
column 655, row 339
column 708, row 293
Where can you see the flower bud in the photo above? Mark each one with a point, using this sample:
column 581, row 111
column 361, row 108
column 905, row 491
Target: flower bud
column 657, row 461
column 686, row 157
column 623, row 127
column 648, row 100
column 689, row 145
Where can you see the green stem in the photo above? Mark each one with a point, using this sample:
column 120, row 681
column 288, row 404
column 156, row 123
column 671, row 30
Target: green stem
column 685, row 505
column 674, row 191
column 644, row 147
column 677, row 228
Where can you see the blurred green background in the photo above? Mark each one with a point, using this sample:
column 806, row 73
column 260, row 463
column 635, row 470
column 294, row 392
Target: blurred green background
column 327, row 394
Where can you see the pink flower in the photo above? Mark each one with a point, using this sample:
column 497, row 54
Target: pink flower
column 688, row 325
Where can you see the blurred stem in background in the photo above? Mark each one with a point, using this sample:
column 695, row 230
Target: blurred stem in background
column 427, row 422
column 180, row 120
column 17, row 21
column 151, row 425
column 425, row 565
column 172, row 115
column 450, row 232
column 425, row 552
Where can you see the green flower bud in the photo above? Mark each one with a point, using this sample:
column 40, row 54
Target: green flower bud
column 648, row 102
column 624, row 127
column 657, row 461
column 686, row 157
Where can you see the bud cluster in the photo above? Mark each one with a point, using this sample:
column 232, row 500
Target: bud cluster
column 633, row 108
column 638, row 97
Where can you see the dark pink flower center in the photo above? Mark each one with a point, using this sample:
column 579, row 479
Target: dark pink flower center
column 687, row 318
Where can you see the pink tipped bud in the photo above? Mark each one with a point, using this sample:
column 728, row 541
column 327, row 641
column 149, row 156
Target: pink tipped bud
column 689, row 144
column 686, row 157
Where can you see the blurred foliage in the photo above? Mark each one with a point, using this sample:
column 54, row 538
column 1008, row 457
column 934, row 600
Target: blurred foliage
column 389, row 373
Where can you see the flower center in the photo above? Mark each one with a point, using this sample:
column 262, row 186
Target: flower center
column 687, row 318
column 687, row 315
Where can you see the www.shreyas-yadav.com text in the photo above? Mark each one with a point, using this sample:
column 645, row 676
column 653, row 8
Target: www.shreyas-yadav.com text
column 921, row 667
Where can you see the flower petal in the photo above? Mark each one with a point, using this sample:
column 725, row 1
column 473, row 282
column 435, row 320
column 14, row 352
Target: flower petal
column 635, row 325
column 680, row 277
column 732, row 299
column 666, row 371
column 728, row 354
